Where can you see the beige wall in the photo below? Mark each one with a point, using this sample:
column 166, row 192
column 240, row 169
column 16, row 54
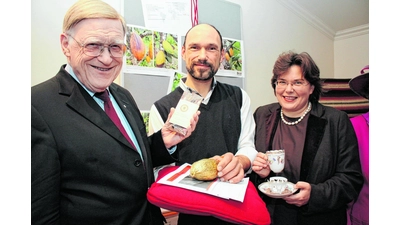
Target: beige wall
column 268, row 29
column 351, row 55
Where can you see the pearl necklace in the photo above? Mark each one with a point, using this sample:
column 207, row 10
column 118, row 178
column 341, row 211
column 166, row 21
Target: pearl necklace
column 299, row 120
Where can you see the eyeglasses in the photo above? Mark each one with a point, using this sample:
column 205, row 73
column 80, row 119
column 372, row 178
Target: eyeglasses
column 296, row 83
column 95, row 49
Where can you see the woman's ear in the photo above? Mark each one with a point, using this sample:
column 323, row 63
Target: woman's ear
column 312, row 89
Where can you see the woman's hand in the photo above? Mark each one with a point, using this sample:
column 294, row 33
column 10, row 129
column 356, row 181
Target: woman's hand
column 260, row 165
column 302, row 197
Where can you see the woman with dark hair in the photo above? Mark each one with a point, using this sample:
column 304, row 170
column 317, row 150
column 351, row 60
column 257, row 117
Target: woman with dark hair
column 320, row 144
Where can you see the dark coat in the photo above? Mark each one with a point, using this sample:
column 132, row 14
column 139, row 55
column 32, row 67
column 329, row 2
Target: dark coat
column 83, row 170
column 330, row 162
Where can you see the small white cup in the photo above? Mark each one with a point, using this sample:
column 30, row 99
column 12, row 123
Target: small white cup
column 278, row 179
column 277, row 184
column 276, row 160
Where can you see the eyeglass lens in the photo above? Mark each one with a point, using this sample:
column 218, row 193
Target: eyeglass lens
column 97, row 49
column 94, row 49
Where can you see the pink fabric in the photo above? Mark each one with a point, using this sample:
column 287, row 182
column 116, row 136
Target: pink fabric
column 359, row 210
column 251, row 211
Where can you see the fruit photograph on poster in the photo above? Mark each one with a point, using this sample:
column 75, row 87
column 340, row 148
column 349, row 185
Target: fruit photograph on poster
column 165, row 50
column 233, row 55
column 140, row 47
column 177, row 78
column 145, row 115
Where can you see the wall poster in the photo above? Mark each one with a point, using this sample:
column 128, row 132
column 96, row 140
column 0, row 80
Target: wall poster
column 153, row 66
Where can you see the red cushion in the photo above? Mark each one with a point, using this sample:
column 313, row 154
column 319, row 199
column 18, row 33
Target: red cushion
column 251, row 211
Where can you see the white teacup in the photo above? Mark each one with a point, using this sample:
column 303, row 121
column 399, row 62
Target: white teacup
column 276, row 160
column 277, row 184
column 278, row 179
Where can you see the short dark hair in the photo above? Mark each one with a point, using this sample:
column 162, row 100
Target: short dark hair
column 308, row 67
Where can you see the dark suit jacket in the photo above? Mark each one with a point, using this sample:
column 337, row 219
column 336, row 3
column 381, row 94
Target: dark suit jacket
column 83, row 170
column 330, row 163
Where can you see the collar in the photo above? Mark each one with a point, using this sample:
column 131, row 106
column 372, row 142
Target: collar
column 205, row 99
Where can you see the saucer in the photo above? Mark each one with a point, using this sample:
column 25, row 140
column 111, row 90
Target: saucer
column 267, row 188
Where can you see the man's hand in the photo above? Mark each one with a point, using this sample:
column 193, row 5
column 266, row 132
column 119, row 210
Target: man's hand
column 171, row 137
column 231, row 168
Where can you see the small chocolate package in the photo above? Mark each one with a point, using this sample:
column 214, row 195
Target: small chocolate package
column 184, row 110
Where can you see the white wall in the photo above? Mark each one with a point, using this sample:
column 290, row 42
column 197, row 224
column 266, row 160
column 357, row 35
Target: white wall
column 268, row 29
column 351, row 55
column 46, row 26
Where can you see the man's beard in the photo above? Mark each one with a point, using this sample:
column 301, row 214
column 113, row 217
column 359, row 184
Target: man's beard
column 210, row 74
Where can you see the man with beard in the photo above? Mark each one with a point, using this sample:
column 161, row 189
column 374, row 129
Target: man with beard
column 225, row 129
